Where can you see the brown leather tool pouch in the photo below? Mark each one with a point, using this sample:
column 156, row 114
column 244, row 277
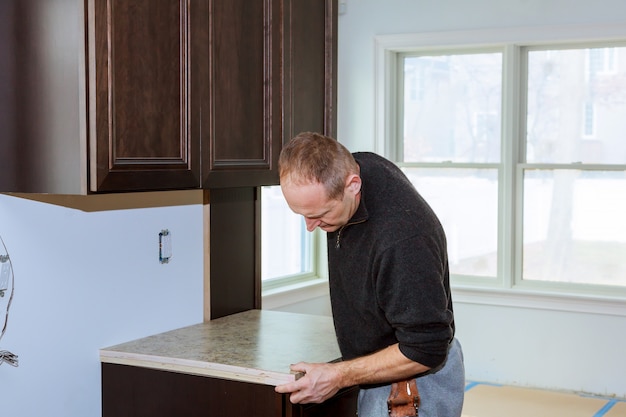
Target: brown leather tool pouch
column 404, row 399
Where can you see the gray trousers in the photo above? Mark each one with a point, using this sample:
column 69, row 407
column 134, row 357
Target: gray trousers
column 441, row 392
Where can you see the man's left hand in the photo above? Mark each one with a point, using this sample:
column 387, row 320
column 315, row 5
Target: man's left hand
column 319, row 382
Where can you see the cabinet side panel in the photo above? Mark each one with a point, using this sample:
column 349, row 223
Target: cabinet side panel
column 233, row 276
column 8, row 97
column 41, row 139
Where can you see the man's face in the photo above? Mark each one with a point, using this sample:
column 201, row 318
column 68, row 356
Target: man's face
column 311, row 201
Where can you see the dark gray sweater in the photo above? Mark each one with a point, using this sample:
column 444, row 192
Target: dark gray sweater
column 389, row 279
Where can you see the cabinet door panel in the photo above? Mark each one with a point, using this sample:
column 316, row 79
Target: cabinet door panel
column 310, row 66
column 238, row 85
column 144, row 126
column 244, row 93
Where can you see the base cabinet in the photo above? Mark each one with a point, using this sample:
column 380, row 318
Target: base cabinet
column 129, row 391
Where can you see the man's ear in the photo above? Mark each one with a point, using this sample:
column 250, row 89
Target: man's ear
column 353, row 184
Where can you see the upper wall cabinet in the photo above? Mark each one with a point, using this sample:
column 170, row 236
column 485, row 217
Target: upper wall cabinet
column 272, row 66
column 134, row 95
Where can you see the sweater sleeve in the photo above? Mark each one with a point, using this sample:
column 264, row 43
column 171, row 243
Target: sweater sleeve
column 413, row 291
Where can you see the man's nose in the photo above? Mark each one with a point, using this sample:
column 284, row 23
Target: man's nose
column 311, row 224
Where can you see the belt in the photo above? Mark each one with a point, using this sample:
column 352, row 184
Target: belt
column 404, row 399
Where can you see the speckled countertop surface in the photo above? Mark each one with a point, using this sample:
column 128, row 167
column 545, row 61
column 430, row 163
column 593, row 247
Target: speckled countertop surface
column 253, row 346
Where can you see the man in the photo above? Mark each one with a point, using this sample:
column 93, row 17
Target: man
column 388, row 276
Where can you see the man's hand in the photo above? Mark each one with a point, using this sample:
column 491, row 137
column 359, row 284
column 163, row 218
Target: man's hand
column 320, row 382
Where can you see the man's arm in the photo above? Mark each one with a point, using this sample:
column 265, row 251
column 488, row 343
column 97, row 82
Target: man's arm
column 322, row 380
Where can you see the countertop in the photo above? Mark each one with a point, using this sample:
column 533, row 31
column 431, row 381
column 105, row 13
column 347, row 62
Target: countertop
column 254, row 346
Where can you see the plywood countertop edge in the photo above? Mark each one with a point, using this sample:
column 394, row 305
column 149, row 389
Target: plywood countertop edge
column 187, row 366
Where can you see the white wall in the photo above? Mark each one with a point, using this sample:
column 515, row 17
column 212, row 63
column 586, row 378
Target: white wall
column 84, row 281
column 524, row 346
column 365, row 19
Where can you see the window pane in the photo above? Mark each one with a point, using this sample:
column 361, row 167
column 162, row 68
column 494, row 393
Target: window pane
column 574, row 228
column 285, row 242
column 576, row 106
column 466, row 202
column 452, row 108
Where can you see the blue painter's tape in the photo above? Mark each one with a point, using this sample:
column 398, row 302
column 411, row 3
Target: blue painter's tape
column 471, row 385
column 605, row 409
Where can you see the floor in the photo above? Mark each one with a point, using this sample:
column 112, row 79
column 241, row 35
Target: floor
column 490, row 400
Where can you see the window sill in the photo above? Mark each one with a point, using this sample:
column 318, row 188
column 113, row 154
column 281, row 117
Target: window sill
column 295, row 293
column 576, row 303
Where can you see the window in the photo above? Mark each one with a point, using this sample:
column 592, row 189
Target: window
column 519, row 148
column 288, row 250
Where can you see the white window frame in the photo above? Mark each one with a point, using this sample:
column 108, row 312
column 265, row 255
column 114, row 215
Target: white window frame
column 505, row 291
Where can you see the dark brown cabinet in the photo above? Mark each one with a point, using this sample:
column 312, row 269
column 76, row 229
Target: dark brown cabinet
column 129, row 391
column 145, row 82
column 137, row 95
column 243, row 121
column 272, row 66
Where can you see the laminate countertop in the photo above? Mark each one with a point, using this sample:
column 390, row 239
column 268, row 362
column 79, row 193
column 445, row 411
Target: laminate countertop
column 254, row 346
